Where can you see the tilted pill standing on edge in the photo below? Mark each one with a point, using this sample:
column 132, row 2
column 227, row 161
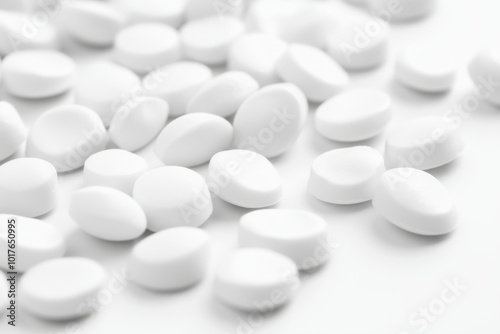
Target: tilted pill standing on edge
column 484, row 69
column 12, row 130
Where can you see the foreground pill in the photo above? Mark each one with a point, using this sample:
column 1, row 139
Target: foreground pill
column 36, row 241
column 244, row 178
column 270, row 120
column 58, row 289
column 423, row 143
column 171, row 12
column 354, row 115
column 173, row 259
column 415, row 201
column 346, row 175
column 256, row 278
column 118, row 169
column 173, row 196
column 484, row 69
column 299, row 235
column 403, row 10
column 193, row 139
column 66, row 136
column 34, row 74
column 28, row 187
column 223, row 95
column 12, row 130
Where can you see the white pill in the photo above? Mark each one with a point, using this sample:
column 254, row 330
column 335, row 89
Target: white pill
column 59, row 289
column 118, row 169
column 28, row 187
column 173, row 259
column 269, row 16
column 171, row 12
column 313, row 71
column 484, row 69
column 425, row 68
column 66, row 136
column 161, row 47
column 207, row 40
column 354, row 115
column 224, row 94
column 423, row 143
column 415, row 201
column 177, row 83
column 403, row 10
column 193, row 139
column 197, row 9
column 270, row 120
column 12, row 130
column 102, row 86
column 244, row 178
column 299, row 235
column 256, row 279
column 95, row 23
column 136, row 125
column 36, row 74
column 173, row 196
column 36, row 242
column 346, row 175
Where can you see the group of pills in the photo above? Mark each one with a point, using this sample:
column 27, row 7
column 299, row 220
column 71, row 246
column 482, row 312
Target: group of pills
column 280, row 56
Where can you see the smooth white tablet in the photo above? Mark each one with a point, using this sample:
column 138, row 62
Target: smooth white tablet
column 270, row 120
column 313, row 71
column 34, row 74
column 354, row 115
column 484, row 68
column 257, row 55
column 224, row 94
column 173, row 196
column 193, row 139
column 299, row 235
column 12, row 130
column 415, row 201
column 66, row 136
column 244, row 178
column 423, row 143
column 207, row 40
column 58, row 289
column 252, row 278
column 346, row 175
column 177, row 83
column 28, row 187
column 403, row 10
column 269, row 16
column 161, row 47
column 174, row 259
column 104, row 87
column 198, row 9
column 118, row 169
column 171, row 12
column 36, row 242
column 135, row 125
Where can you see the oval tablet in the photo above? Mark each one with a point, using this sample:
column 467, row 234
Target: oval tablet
column 12, row 130
column 173, row 259
column 415, row 201
column 484, row 69
column 171, row 12
column 252, row 278
column 58, row 289
column 403, row 10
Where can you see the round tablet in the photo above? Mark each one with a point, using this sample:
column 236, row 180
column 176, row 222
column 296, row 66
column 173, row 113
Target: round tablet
column 36, row 242
column 136, row 125
column 252, row 278
column 171, row 12
column 193, row 139
column 244, row 178
column 28, row 187
column 118, row 169
column 34, row 74
column 346, row 175
column 12, row 130
column 299, row 235
column 223, row 95
column 173, row 259
column 59, row 288
column 403, row 10
column 415, row 201
column 484, row 70
column 423, row 143
column 173, row 196
column 66, row 136
column 177, row 83
column 270, row 120
column 313, row 71
column 207, row 40
column 354, row 115
column 161, row 47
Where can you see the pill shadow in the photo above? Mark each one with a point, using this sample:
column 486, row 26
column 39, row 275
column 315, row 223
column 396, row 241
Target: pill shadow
column 319, row 206
column 447, row 169
column 407, row 94
column 223, row 211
